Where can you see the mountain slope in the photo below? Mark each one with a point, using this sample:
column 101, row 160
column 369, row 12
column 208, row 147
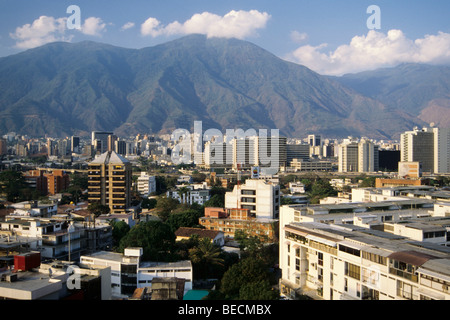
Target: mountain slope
column 63, row 88
column 421, row 90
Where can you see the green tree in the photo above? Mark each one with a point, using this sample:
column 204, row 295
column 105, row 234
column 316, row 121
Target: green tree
column 245, row 272
column 321, row 189
column 148, row 203
column 258, row 290
column 216, row 201
column 97, row 209
column 165, row 206
column 188, row 218
column 205, row 256
column 155, row 237
column 119, row 230
column 368, row 182
column 12, row 185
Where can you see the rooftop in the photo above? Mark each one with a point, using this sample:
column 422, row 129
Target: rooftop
column 109, row 157
column 203, row 233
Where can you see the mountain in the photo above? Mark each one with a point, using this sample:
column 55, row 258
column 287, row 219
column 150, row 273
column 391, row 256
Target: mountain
column 73, row 88
column 421, row 90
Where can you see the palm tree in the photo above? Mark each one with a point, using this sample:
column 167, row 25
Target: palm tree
column 205, row 256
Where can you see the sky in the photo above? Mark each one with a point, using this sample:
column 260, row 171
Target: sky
column 331, row 37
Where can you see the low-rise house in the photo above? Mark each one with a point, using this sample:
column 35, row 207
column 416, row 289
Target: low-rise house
column 216, row 237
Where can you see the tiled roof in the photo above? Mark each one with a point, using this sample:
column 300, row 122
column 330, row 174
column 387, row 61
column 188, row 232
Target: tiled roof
column 203, row 233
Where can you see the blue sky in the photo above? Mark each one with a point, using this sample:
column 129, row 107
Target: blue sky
column 329, row 36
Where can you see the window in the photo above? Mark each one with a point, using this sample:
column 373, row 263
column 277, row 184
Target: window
column 320, row 258
column 352, row 270
column 374, row 258
column 349, row 250
column 320, row 274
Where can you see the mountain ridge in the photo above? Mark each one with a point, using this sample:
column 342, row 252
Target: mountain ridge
column 74, row 88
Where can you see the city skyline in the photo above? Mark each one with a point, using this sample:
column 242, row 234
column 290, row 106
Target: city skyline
column 329, row 37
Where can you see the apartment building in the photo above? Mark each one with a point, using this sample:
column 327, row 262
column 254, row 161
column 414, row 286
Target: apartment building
column 129, row 271
column 57, row 237
column 410, row 260
column 47, row 182
column 260, row 196
column 146, row 184
column 191, row 194
column 229, row 221
column 110, row 181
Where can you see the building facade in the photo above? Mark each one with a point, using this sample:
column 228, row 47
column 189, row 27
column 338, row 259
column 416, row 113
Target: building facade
column 409, row 260
column 146, row 184
column 259, row 196
column 418, row 146
column 110, row 183
column 129, row 272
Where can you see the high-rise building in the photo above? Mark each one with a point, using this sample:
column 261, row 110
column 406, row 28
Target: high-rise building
column 112, row 142
column 245, row 152
column 314, row 140
column 348, row 157
column 418, row 146
column 368, row 158
column 359, row 156
column 57, row 181
column 3, row 146
column 75, row 143
column 99, row 139
column 441, row 150
column 120, row 146
column 110, row 181
column 297, row 151
column 272, row 153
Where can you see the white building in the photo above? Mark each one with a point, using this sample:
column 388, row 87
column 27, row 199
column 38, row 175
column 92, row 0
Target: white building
column 357, row 156
column 441, row 150
column 35, row 209
column 190, row 194
column 129, row 272
column 146, row 184
column 350, row 262
column 418, row 146
column 296, row 187
column 260, row 196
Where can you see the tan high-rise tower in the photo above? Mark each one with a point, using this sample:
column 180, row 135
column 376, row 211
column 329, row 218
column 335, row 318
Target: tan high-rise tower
column 110, row 181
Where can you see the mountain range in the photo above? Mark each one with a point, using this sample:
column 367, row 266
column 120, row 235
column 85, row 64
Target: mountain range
column 63, row 89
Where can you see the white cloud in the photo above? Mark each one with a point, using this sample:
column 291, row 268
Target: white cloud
column 237, row 24
column 43, row 30
column 93, row 26
column 49, row 29
column 372, row 51
column 298, row 37
column 127, row 26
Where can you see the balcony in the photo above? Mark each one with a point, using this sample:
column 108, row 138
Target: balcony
column 403, row 274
